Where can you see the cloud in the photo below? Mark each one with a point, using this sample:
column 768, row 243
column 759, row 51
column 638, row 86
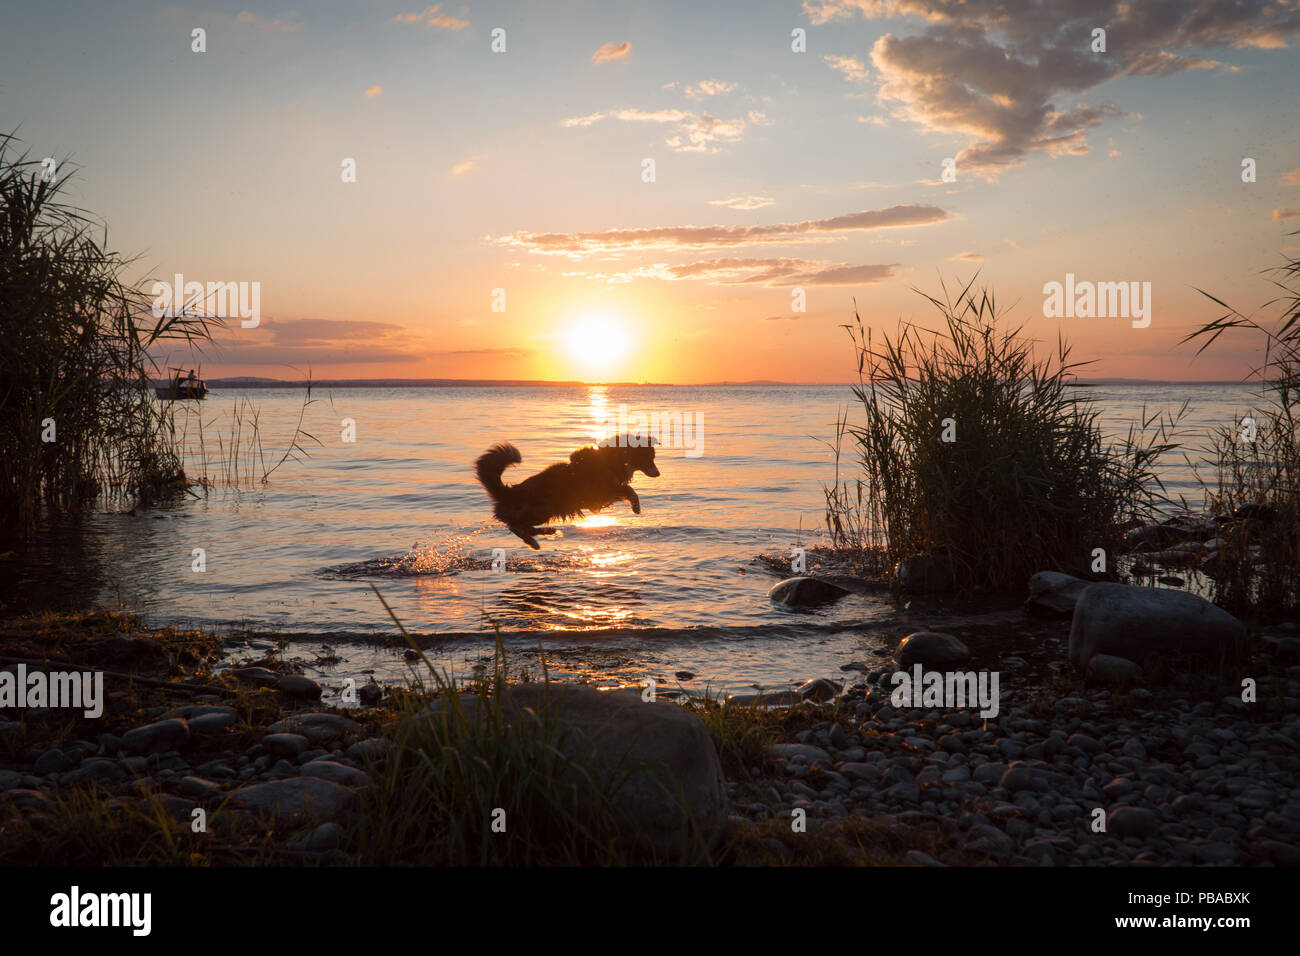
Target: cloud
column 611, row 51
column 873, row 120
column 1292, row 178
column 699, row 134
column 463, row 167
column 579, row 244
column 707, row 88
column 485, row 353
column 1285, row 213
column 432, row 17
column 374, row 91
column 1003, row 75
column 317, row 342
column 288, row 25
column 743, row 202
column 772, row 272
column 695, row 133
column 759, row 119
column 968, row 257
column 853, row 70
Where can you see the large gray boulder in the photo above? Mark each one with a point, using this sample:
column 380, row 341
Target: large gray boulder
column 1142, row 623
column 295, row 799
column 1053, row 594
column 805, row 592
column 673, row 788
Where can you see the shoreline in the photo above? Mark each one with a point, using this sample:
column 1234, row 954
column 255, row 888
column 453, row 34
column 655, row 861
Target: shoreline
column 1203, row 781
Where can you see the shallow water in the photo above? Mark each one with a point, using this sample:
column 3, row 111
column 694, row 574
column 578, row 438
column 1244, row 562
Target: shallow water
column 675, row 588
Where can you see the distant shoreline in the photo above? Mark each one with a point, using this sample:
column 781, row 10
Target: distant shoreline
column 234, row 383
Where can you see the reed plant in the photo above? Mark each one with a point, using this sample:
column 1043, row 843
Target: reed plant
column 975, row 450
column 1256, row 460
column 78, row 419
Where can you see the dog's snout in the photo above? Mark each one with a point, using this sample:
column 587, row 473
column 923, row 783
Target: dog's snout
column 651, row 471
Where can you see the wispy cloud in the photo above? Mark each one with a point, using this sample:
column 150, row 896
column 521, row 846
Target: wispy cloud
column 769, row 271
column 707, row 88
column 611, row 51
column 696, row 133
column 853, row 70
column 1285, row 213
column 289, row 24
column 374, row 91
column 1292, row 178
column 579, row 244
column 743, row 202
column 433, row 17
column 968, row 257
column 464, row 166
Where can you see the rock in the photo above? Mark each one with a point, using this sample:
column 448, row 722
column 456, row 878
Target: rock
column 1052, row 594
column 372, row 749
column 684, row 675
column 814, row 755
column 295, row 685
column 9, row 780
column 1139, row 623
column 318, row 728
column 295, row 799
column 256, row 675
column 158, row 737
column 369, row 694
column 325, row 837
column 931, row 649
column 672, row 788
column 1108, row 669
column 284, row 745
column 925, row 574
column 337, row 773
column 52, row 761
column 805, row 592
column 1132, row 821
column 200, row 788
column 818, row 690
column 190, row 711
column 213, row 723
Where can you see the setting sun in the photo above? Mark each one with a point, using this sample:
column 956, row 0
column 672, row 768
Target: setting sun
column 597, row 343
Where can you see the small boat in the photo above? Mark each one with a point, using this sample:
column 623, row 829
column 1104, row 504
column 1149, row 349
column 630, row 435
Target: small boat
column 180, row 388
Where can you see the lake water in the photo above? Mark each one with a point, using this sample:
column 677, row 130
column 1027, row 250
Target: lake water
column 618, row 596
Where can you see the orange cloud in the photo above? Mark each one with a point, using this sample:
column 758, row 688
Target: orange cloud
column 579, row 244
column 611, row 51
column 432, row 17
column 374, row 91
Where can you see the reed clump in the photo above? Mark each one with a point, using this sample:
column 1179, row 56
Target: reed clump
column 1255, row 495
column 975, row 450
column 78, row 419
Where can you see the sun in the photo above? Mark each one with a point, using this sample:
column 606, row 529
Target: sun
column 597, row 342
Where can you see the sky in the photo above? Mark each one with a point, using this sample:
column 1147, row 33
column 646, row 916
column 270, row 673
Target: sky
column 672, row 192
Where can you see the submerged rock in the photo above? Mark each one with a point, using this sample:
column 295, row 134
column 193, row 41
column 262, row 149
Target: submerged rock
column 805, row 592
column 1138, row 623
column 819, row 689
column 931, row 649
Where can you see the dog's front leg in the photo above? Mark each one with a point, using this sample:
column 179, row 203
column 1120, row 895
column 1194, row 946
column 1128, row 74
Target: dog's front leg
column 632, row 499
column 525, row 534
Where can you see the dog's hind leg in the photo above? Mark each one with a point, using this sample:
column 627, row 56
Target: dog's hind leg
column 525, row 534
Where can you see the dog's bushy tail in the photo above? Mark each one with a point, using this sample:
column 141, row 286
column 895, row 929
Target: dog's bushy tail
column 492, row 463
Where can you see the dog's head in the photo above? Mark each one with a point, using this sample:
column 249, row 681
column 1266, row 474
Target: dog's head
column 624, row 457
column 640, row 459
